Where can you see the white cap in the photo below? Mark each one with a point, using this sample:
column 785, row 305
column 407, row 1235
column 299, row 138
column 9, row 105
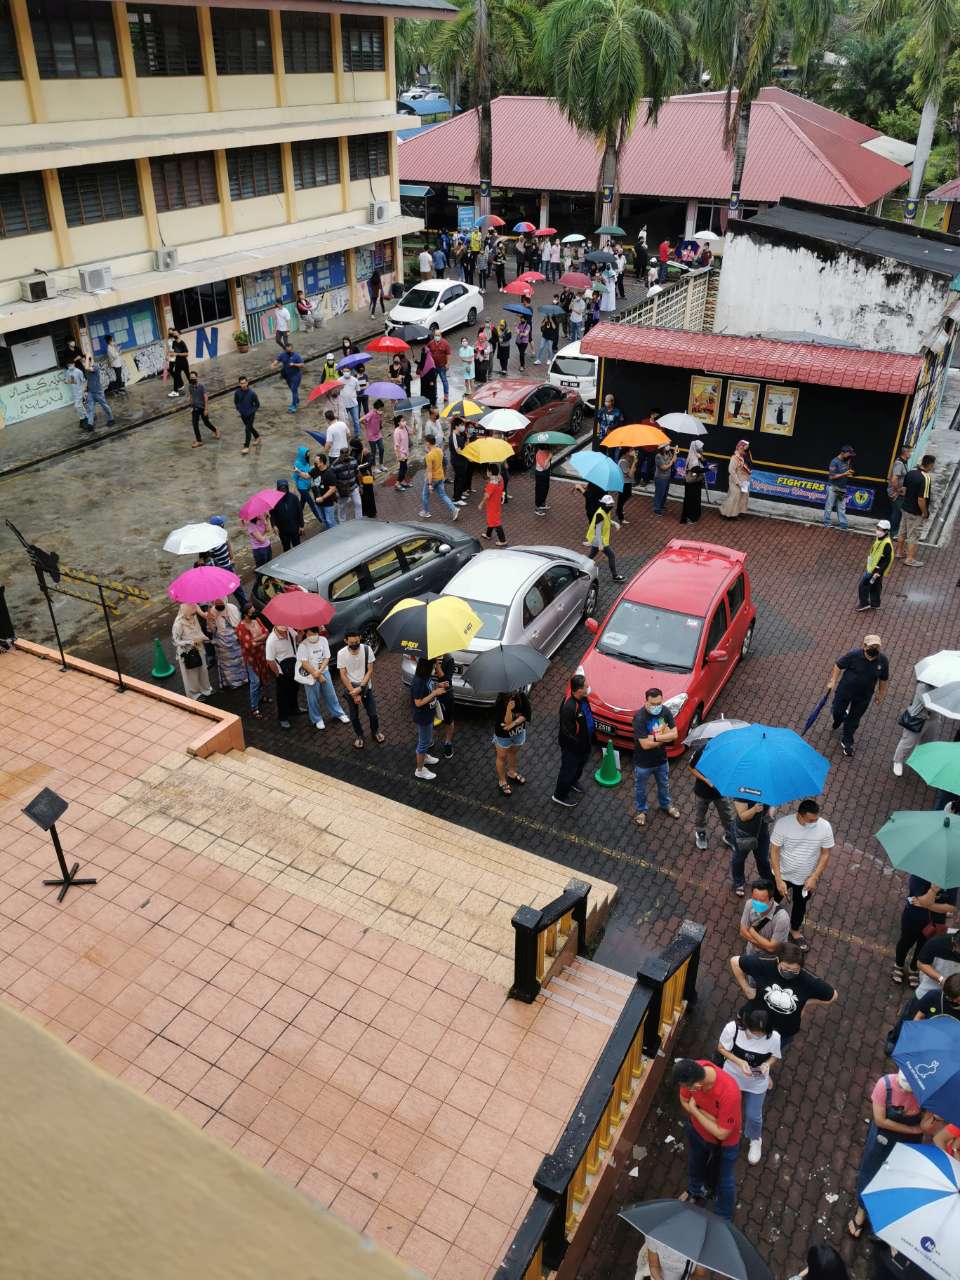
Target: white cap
column 884, row 525
column 606, row 500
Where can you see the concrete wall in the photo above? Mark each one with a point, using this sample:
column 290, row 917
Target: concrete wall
column 880, row 305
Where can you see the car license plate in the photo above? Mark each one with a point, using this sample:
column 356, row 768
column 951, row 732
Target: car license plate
column 602, row 727
column 569, row 382
column 459, row 669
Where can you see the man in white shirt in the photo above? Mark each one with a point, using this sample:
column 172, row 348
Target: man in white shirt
column 355, row 664
column 800, row 845
column 349, row 399
column 426, row 265
column 555, row 254
column 578, row 309
column 115, row 361
column 281, row 318
column 338, row 438
column 281, row 655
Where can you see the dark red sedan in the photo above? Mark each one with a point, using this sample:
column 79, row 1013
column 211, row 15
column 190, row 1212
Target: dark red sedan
column 548, row 408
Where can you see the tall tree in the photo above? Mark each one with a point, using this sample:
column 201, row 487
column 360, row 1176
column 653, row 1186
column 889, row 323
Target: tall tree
column 934, row 30
column 602, row 59
column 739, row 41
column 872, row 79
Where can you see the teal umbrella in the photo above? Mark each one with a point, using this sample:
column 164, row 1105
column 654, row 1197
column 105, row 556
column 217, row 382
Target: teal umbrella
column 612, row 230
column 938, row 764
column 549, row 437
column 925, row 843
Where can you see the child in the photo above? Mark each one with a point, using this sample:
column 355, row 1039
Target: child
column 373, row 425
column 492, row 501
column 368, row 491
column 401, row 447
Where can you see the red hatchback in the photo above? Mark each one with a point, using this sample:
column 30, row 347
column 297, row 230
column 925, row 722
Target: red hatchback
column 681, row 625
column 548, row 408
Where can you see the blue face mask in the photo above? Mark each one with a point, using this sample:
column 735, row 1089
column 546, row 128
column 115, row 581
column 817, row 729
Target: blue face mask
column 759, row 907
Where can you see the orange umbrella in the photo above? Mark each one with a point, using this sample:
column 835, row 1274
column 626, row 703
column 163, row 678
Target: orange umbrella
column 635, row 435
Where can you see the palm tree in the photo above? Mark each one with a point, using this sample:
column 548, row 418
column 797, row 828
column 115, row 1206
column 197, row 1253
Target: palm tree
column 601, row 59
column 412, row 43
column 935, row 25
column 739, row 41
column 871, row 80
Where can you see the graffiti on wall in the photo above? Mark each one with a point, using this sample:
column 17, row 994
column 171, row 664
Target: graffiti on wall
column 32, row 396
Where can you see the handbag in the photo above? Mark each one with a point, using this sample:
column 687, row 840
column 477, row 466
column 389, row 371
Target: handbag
column 914, row 724
column 193, row 659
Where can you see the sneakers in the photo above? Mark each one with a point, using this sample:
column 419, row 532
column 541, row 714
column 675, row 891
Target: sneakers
column 424, row 515
column 700, row 838
column 424, row 774
column 897, row 769
column 914, row 564
column 344, row 719
column 618, row 577
column 578, row 790
column 431, row 759
column 175, row 395
column 567, row 804
column 847, row 749
column 448, row 751
column 284, row 724
column 755, row 1151
column 539, row 511
column 864, row 608
column 318, row 724
column 460, row 502
column 456, row 513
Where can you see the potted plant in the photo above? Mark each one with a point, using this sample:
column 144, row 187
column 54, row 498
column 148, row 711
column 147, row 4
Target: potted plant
column 242, row 339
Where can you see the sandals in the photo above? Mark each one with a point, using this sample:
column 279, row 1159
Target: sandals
column 640, row 819
column 504, row 788
column 913, row 979
column 855, row 1230
column 518, row 778
column 358, row 744
column 896, row 975
column 380, row 738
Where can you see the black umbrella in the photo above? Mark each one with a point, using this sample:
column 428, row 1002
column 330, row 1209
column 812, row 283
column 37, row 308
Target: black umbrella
column 601, row 256
column 699, row 1235
column 505, row 668
column 410, row 332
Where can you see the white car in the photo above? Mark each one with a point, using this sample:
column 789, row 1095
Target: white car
column 446, row 303
column 570, row 370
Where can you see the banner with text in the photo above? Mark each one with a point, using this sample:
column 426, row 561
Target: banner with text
column 778, row 484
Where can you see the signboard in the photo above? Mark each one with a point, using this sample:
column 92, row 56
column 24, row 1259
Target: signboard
column 260, row 290
column 33, row 396
column 132, row 326
column 778, row 484
column 465, row 217
column 606, row 193
column 323, row 273
column 35, row 356
column 485, row 186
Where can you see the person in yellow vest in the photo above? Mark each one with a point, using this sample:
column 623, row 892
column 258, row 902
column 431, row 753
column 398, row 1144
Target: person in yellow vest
column 598, row 534
column 879, row 563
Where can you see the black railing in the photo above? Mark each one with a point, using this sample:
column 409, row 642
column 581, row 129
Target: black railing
column 537, row 934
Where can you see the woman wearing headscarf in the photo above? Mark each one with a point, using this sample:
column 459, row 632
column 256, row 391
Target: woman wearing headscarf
column 222, row 622
column 738, row 483
column 427, row 373
column 188, row 642
column 692, row 484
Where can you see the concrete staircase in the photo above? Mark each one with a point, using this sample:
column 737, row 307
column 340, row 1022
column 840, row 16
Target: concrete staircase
column 589, row 989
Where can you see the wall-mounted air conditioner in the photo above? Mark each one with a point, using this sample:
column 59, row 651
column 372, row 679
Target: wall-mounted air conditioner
column 166, row 260
column 96, row 279
column 379, row 211
column 38, row 288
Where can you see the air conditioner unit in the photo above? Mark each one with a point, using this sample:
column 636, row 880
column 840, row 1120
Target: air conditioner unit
column 97, row 278
column 167, row 260
column 38, row 288
column 379, row 211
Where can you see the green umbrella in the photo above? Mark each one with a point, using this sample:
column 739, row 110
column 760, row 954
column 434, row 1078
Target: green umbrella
column 925, row 843
column 549, row 437
column 938, row 764
column 610, row 231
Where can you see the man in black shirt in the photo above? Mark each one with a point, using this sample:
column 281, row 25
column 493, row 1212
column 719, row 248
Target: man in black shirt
column 287, row 517
column 782, row 987
column 916, row 508
column 345, row 477
column 653, row 728
column 857, row 677
column 575, row 738
column 324, row 489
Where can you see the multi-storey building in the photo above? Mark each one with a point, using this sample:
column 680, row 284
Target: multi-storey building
column 188, row 164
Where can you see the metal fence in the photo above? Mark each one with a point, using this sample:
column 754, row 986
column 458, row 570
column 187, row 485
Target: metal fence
column 681, row 304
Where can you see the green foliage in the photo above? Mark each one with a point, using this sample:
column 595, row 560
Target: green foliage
column 874, row 79
column 901, row 121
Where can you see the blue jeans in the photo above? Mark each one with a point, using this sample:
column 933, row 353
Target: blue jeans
column 444, row 381
column 836, row 498
column 662, row 774
column 353, row 413
column 752, row 1113
column 576, row 330
column 323, row 695
column 254, row 685
column 545, row 351
column 294, row 384
column 328, row 516
column 710, row 1171
column 441, row 493
column 424, row 737
column 95, row 398
column 261, row 555
column 660, row 490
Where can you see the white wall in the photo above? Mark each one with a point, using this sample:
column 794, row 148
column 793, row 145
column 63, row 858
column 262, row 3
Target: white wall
column 881, row 306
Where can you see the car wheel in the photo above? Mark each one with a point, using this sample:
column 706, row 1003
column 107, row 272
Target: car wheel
column 527, row 456
column 590, row 603
column 747, row 641
column 576, row 419
column 472, row 316
column 371, row 636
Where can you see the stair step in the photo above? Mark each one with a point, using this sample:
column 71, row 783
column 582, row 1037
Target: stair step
column 578, row 1007
column 593, row 972
column 606, row 999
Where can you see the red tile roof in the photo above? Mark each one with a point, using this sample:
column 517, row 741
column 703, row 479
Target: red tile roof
column 796, row 149
column 758, row 357
column 949, row 191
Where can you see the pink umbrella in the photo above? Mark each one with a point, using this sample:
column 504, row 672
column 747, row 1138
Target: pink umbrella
column 532, row 276
column 546, row 231
column 197, row 586
column 259, row 503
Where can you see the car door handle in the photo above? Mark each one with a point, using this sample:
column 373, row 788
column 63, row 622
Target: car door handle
column 418, row 577
column 376, row 599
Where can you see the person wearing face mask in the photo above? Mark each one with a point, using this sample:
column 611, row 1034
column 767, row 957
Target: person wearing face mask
column 222, row 557
column 750, row 1049
column 355, row 664
column 653, row 728
column 857, row 677
column 313, row 661
column 576, row 741
column 897, row 1117
column 222, row 622
column 782, row 987
column 189, row 645
column 800, row 845
column 281, row 655
column 764, row 924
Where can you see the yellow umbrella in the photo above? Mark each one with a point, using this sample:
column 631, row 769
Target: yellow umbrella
column 465, row 408
column 635, row 435
column 487, row 449
column 428, row 627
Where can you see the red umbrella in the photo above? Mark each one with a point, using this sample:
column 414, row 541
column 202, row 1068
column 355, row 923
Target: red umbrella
column 575, row 279
column 490, row 220
column 519, row 286
column 532, row 276
column 546, row 231
column 259, row 503
column 386, row 343
column 324, row 389
column 299, row 609
column 198, row 586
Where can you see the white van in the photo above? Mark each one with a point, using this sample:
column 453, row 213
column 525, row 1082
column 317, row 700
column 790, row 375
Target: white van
column 572, row 371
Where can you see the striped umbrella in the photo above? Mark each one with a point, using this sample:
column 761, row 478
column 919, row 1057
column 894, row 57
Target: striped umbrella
column 429, row 626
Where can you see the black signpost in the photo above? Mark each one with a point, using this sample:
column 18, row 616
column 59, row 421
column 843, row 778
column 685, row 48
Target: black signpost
column 44, row 809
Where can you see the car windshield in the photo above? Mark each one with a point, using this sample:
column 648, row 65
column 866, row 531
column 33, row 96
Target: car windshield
column 419, row 299
column 651, row 637
column 492, row 618
column 574, row 367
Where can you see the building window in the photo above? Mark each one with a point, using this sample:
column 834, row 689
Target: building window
column 362, row 44
column 316, row 164
column 241, row 42
column 100, row 193
column 369, row 156
column 307, row 44
column 166, row 40
column 184, row 182
column 9, row 57
column 74, row 39
column 206, row 304
column 23, row 205
column 254, row 171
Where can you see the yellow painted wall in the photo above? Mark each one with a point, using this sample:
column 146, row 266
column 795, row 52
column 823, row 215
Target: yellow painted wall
column 19, row 255
column 318, row 202
column 14, row 104
column 238, row 92
column 184, row 226
column 107, row 241
column 309, row 90
column 365, row 86
column 361, row 196
column 83, row 100
column 171, row 96
column 265, row 211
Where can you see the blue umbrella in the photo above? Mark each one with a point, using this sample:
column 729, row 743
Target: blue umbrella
column 385, row 391
column 928, row 1054
column 811, row 718
column 551, row 310
column 319, row 436
column 519, row 310
column 763, row 763
column 914, row 1205
column 597, row 468
column 348, row 362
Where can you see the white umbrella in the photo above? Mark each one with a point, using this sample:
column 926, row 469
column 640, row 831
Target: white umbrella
column 712, row 728
column 944, row 701
column 939, row 668
column 506, row 420
column 706, row 237
column 192, row 539
column 573, row 239
column 656, row 288
column 685, row 424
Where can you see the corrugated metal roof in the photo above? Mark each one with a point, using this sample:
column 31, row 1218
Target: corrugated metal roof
column 757, row 357
column 949, row 191
column 796, row 148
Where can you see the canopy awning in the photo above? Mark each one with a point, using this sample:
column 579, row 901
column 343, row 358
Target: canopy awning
column 414, row 190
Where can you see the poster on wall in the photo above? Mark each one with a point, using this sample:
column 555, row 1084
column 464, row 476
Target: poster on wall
column 779, row 410
column 705, row 398
column 324, row 273
column 740, row 407
column 132, row 326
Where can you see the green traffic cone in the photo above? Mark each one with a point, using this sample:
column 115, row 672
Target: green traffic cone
column 161, row 667
column 609, row 775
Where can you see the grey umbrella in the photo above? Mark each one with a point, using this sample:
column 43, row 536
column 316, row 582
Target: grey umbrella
column 944, row 701
column 704, row 732
column 699, row 1235
column 506, row 668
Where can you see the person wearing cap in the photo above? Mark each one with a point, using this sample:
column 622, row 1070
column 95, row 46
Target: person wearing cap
column 897, row 1117
column 879, row 564
column 857, row 677
column 222, row 557
column 841, row 470
column 330, row 372
column 598, row 534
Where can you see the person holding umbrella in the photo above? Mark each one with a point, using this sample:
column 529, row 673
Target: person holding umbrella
column 542, row 462
column 512, row 713
column 927, row 912
column 548, row 335
column 281, row 655
column 857, row 676
column 252, row 636
column 897, row 1117
column 287, row 517
column 712, row 1102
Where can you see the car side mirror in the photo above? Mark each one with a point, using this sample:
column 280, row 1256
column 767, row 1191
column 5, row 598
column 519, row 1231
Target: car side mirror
column 444, row 547
column 718, row 655
column 441, row 305
column 592, row 625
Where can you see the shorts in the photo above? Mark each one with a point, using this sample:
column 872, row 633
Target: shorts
column 424, row 738
column 514, row 740
column 446, row 706
column 912, row 527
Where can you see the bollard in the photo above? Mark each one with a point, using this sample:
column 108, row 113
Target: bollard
column 161, row 667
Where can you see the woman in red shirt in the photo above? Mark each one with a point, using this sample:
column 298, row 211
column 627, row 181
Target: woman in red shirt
column 492, row 501
column 252, row 635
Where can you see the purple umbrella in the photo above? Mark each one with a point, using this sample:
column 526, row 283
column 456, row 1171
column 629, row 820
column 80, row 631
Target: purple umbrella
column 348, row 362
column 196, row 586
column 385, row 391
